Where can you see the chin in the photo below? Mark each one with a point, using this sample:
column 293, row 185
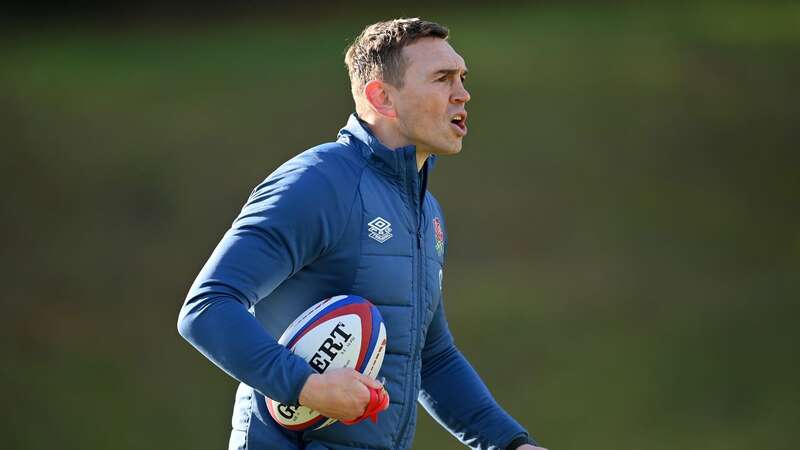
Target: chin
column 447, row 151
column 444, row 148
column 455, row 149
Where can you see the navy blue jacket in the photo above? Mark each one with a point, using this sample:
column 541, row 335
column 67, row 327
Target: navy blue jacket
column 346, row 217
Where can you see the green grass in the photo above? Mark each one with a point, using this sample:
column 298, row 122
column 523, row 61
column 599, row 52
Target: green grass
column 623, row 221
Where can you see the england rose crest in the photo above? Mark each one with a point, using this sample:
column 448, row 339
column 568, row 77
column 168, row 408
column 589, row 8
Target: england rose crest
column 437, row 228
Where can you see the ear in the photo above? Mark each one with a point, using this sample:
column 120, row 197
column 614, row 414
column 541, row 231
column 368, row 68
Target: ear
column 377, row 95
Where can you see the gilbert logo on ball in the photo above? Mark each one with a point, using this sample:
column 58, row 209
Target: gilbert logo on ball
column 342, row 331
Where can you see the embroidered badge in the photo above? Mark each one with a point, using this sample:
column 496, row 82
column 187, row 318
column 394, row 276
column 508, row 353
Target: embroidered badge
column 437, row 228
column 380, row 229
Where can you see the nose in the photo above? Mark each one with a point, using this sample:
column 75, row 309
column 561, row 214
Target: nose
column 461, row 95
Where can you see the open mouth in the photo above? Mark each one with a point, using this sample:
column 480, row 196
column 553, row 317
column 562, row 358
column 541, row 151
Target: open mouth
column 459, row 122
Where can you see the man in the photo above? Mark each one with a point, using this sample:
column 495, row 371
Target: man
column 353, row 217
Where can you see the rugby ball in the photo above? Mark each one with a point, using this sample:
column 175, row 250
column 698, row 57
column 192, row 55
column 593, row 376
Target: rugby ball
column 341, row 331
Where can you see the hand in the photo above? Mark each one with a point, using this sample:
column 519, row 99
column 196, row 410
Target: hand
column 530, row 447
column 340, row 394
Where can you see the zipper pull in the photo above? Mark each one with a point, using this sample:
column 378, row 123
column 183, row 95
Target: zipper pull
column 419, row 240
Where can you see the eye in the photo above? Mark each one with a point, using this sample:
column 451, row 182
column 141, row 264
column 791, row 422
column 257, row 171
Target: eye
column 443, row 78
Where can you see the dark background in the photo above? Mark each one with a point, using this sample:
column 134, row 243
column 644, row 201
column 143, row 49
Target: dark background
column 624, row 222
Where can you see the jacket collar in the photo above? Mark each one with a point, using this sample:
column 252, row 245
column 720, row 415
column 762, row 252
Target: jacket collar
column 397, row 162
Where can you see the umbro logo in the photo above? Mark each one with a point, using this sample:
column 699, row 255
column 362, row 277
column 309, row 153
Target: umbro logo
column 380, row 229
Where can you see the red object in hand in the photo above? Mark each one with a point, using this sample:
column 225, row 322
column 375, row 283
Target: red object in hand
column 378, row 401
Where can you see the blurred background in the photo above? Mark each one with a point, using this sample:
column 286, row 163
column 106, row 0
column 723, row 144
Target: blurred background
column 624, row 218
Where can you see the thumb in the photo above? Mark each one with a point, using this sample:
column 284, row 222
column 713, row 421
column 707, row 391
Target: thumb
column 375, row 384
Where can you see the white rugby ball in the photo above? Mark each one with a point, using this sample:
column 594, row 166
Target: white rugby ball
column 341, row 331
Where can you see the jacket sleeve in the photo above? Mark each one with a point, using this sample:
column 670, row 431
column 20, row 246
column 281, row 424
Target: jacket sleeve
column 288, row 221
column 454, row 394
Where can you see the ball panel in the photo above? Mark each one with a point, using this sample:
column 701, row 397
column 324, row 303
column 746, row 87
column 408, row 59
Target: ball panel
column 342, row 331
column 326, row 423
column 293, row 418
column 376, row 322
column 306, row 316
column 373, row 365
column 313, row 315
column 333, row 343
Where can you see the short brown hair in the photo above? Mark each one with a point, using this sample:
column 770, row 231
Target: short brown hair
column 377, row 52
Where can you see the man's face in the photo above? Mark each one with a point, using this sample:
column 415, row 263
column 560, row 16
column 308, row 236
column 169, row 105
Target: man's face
column 430, row 106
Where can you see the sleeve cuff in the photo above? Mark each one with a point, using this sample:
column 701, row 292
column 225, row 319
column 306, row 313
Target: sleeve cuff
column 295, row 396
column 519, row 441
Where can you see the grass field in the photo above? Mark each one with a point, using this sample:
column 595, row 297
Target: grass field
column 624, row 223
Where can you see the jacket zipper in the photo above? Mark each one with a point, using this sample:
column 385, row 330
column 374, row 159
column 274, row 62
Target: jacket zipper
column 417, row 314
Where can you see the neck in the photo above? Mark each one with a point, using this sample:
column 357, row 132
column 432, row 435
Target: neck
column 421, row 158
column 387, row 133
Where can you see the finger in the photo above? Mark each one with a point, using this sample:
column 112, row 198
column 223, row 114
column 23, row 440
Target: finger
column 375, row 384
column 386, row 393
